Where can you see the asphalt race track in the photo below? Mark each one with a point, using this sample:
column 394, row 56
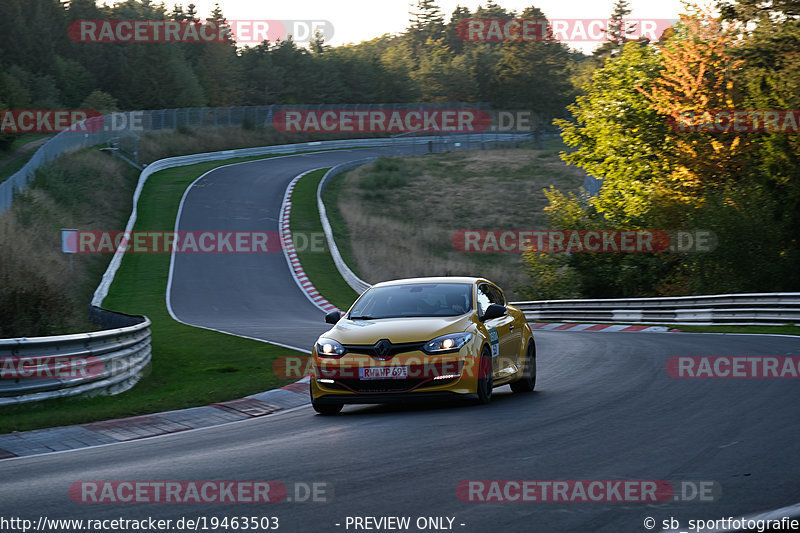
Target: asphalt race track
column 605, row 409
column 247, row 294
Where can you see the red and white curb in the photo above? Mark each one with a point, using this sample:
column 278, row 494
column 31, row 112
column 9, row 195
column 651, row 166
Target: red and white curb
column 558, row 326
column 290, row 253
column 106, row 432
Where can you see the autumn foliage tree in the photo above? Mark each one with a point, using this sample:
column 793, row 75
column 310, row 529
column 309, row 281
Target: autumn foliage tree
column 646, row 125
column 698, row 81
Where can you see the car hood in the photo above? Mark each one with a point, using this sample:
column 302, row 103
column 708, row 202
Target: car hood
column 397, row 330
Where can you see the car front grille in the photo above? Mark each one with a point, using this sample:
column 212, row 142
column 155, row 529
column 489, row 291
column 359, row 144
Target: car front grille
column 391, row 349
column 387, row 385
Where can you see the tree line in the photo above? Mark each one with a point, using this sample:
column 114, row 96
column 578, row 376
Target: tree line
column 42, row 68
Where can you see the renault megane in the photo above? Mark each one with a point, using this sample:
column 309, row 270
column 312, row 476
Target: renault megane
column 423, row 339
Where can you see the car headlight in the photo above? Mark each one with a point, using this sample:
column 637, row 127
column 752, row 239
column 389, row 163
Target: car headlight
column 329, row 348
column 447, row 343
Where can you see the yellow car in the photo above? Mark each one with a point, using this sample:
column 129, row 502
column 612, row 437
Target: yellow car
column 422, row 339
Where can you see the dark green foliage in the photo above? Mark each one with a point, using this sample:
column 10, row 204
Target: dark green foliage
column 42, row 67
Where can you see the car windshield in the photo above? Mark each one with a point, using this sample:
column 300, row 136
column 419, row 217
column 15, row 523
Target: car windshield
column 414, row 300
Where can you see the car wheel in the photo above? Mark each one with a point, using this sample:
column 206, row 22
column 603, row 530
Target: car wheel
column 485, row 377
column 327, row 409
column 528, row 381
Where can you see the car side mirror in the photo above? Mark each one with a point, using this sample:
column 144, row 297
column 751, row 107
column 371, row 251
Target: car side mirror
column 333, row 317
column 494, row 311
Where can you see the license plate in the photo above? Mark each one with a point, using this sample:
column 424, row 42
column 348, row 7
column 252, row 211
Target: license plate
column 383, row 372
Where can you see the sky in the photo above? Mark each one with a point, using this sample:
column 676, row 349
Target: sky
column 359, row 20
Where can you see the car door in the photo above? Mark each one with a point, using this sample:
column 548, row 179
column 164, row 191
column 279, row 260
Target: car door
column 502, row 332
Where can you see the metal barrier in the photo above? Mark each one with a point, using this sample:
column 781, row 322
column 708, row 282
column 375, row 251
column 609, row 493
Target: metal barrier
column 100, row 362
column 118, row 357
column 115, row 128
column 732, row 309
column 356, row 283
column 108, row 276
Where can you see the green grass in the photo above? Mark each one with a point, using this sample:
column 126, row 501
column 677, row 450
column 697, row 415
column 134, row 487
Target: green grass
column 190, row 366
column 7, row 170
column 786, row 329
column 21, row 141
column 317, row 263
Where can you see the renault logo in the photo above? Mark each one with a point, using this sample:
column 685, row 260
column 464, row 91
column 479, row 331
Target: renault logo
column 382, row 348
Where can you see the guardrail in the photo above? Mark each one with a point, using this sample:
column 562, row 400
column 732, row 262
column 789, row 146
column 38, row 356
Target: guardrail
column 108, row 276
column 356, row 283
column 118, row 357
column 732, row 309
column 100, row 362
column 723, row 309
column 117, row 128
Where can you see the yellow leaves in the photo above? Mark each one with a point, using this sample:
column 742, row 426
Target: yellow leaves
column 695, row 84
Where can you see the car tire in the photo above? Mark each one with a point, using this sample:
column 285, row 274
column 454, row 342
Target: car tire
column 528, row 381
column 327, row 409
column 485, row 377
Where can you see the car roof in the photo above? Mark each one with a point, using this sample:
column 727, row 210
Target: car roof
column 436, row 279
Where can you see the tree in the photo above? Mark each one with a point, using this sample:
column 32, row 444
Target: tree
column 452, row 40
column 696, row 82
column 35, row 50
column 618, row 31
column 439, row 77
column 533, row 75
column 217, row 64
column 426, row 24
column 493, row 11
column 748, row 10
column 100, row 101
column 618, row 136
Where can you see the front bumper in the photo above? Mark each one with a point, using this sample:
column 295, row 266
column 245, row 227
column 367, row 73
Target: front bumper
column 408, row 397
column 340, row 381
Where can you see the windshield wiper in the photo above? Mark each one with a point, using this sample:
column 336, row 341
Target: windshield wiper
column 362, row 317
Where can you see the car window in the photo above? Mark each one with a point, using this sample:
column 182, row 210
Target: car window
column 413, row 300
column 495, row 295
column 487, row 295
